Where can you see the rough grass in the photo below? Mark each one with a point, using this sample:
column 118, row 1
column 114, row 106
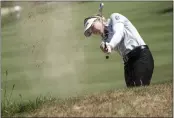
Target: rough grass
column 12, row 108
column 151, row 101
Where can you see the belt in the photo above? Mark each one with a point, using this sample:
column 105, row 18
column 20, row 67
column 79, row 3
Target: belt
column 135, row 52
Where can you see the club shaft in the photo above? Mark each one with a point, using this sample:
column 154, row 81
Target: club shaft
column 101, row 13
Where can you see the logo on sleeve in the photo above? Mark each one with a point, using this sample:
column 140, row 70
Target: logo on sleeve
column 117, row 17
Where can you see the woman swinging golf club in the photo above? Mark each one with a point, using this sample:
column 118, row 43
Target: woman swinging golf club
column 119, row 34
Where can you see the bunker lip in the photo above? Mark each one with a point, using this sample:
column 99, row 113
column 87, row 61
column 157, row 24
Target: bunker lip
column 110, row 103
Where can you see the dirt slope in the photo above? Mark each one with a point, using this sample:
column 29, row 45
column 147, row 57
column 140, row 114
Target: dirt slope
column 152, row 101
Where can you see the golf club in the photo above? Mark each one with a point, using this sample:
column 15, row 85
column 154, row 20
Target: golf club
column 100, row 12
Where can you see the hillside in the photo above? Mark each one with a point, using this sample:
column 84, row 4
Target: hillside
column 152, row 101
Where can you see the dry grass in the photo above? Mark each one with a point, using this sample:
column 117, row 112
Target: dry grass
column 155, row 100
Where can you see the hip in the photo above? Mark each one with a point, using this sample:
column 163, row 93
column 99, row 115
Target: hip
column 141, row 53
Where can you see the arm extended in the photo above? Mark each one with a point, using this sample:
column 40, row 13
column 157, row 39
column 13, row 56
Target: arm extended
column 118, row 29
column 118, row 34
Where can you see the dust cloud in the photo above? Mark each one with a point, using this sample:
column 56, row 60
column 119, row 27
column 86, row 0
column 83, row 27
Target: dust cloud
column 55, row 50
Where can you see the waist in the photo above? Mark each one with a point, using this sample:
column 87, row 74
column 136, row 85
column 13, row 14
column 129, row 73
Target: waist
column 134, row 53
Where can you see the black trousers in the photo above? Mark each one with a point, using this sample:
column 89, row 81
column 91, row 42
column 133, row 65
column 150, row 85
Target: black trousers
column 138, row 67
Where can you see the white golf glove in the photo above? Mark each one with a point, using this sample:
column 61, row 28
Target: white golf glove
column 106, row 47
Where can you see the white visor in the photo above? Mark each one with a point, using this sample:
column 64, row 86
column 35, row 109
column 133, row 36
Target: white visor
column 89, row 22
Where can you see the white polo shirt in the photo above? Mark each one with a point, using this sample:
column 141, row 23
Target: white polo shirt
column 122, row 35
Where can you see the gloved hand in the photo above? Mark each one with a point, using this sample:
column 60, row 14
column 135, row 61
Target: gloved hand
column 105, row 47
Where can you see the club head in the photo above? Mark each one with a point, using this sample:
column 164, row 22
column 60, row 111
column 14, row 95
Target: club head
column 101, row 5
column 107, row 57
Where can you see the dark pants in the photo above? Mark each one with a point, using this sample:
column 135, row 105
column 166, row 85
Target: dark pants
column 139, row 67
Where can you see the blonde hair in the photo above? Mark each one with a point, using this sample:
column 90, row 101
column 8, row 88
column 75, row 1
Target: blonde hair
column 100, row 18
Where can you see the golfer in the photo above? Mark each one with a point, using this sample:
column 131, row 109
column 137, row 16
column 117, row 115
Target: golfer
column 119, row 34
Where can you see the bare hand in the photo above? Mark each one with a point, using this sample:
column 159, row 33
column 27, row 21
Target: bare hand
column 105, row 47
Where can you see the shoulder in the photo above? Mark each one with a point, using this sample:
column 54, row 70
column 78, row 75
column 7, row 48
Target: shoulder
column 116, row 14
column 117, row 17
column 113, row 15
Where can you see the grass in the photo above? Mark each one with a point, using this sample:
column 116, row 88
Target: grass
column 12, row 108
column 43, row 55
column 151, row 101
